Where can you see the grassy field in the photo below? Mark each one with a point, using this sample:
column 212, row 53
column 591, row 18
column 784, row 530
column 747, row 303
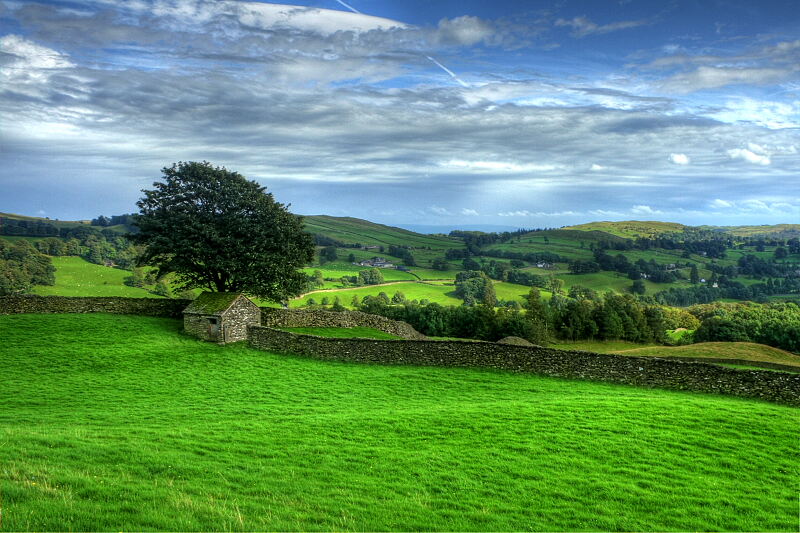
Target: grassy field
column 411, row 290
column 130, row 425
column 345, row 333
column 630, row 229
column 747, row 351
column 77, row 277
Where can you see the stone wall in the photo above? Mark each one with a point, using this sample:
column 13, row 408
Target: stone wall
column 641, row 371
column 163, row 307
column 235, row 321
column 303, row 318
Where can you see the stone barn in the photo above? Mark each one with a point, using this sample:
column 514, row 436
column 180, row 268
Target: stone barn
column 221, row 317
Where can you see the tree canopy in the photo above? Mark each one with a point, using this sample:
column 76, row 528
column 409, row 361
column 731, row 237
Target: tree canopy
column 219, row 231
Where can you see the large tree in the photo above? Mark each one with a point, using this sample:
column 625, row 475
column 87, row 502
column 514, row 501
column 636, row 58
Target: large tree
column 216, row 230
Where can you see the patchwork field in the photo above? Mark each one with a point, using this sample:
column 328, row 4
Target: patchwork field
column 123, row 423
column 77, row 277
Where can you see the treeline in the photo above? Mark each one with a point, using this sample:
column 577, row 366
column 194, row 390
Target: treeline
column 587, row 316
column 402, row 252
column 98, row 247
column 27, row 228
column 702, row 294
column 478, row 239
column 775, row 324
column 22, row 267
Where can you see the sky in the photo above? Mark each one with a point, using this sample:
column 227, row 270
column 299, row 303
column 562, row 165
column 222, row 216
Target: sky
column 449, row 113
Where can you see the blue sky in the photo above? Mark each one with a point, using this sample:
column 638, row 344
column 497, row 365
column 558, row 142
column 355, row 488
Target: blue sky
column 454, row 113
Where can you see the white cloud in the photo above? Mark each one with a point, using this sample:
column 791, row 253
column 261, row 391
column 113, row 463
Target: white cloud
column 679, row 159
column 463, row 31
column 469, row 212
column 645, row 210
column 705, row 77
column 29, row 55
column 526, row 213
column 498, row 166
column 438, row 210
column 596, row 168
column 750, row 157
column 582, row 26
column 720, row 204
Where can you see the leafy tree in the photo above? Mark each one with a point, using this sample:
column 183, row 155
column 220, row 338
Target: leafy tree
column 216, row 230
column 351, row 258
column 781, row 252
column 328, row 254
column 694, row 277
column 638, row 287
column 398, row 298
column 162, row 289
column 370, row 276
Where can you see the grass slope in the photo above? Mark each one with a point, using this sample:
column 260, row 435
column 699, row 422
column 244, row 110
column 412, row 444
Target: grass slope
column 630, row 229
column 354, row 230
column 746, row 351
column 412, row 291
column 130, row 425
column 77, row 277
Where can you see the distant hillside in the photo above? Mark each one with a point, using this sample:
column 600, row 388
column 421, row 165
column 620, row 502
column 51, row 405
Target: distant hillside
column 778, row 230
column 59, row 224
column 631, row 229
column 355, row 230
column 56, row 223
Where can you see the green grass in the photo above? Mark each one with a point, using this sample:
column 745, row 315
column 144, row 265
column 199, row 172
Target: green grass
column 77, row 277
column 630, row 229
column 345, row 333
column 747, row 351
column 355, row 230
column 123, row 423
column 600, row 346
column 412, row 291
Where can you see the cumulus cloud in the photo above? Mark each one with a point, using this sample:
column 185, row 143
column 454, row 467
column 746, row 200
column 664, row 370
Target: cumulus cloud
column 679, row 159
column 469, row 212
column 463, row 31
column 749, row 156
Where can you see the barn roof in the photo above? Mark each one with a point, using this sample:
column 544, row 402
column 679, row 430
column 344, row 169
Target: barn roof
column 213, row 303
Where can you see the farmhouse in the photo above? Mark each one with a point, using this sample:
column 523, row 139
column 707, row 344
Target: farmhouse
column 221, row 317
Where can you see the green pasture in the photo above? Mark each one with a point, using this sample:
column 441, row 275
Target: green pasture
column 77, row 277
column 631, row 229
column 747, row 351
column 412, row 291
column 337, row 271
column 354, row 230
column 118, row 423
column 513, row 292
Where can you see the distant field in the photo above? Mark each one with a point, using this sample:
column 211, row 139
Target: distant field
column 77, row 277
column 354, row 230
column 747, row 351
column 122, row 423
column 412, row 291
column 632, row 228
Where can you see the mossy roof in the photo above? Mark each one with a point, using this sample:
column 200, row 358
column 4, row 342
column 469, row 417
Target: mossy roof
column 212, row 303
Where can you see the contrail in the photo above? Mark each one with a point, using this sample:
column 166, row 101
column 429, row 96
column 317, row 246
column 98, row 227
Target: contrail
column 432, row 60
column 351, row 8
column 452, row 74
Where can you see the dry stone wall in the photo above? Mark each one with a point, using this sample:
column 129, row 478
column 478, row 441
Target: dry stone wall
column 649, row 372
column 163, row 307
column 303, row 318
